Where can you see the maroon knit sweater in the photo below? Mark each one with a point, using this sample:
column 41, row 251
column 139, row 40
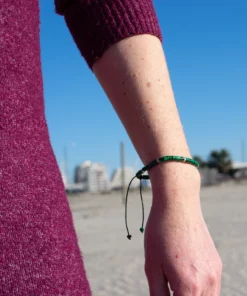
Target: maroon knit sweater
column 39, row 253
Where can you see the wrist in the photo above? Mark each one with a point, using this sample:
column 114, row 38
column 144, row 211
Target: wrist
column 174, row 182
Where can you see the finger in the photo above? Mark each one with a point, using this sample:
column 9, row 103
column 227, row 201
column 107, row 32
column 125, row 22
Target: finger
column 158, row 289
column 158, row 285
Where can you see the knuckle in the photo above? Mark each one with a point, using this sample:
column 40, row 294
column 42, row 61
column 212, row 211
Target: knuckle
column 192, row 285
column 195, row 287
column 212, row 278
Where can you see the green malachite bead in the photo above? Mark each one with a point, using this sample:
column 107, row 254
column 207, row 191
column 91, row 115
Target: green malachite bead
column 142, row 230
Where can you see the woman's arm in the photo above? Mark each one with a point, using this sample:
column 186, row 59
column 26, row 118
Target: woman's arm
column 178, row 246
column 135, row 78
column 117, row 39
column 134, row 74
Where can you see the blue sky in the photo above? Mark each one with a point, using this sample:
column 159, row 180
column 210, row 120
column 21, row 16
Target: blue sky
column 206, row 48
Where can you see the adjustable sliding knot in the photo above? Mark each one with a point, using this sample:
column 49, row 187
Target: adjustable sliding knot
column 139, row 175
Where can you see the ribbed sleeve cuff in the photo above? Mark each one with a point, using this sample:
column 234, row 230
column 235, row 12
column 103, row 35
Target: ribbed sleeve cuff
column 97, row 24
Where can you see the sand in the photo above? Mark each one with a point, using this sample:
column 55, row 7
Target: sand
column 115, row 265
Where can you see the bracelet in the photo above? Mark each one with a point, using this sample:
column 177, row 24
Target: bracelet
column 155, row 162
column 139, row 175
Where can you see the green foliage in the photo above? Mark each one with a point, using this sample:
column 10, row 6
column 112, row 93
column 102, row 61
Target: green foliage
column 221, row 160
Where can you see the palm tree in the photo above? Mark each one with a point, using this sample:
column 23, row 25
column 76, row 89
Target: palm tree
column 221, row 160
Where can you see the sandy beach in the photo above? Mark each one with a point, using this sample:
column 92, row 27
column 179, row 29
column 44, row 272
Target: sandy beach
column 115, row 265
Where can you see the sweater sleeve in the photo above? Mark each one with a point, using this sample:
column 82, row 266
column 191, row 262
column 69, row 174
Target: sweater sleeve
column 97, row 24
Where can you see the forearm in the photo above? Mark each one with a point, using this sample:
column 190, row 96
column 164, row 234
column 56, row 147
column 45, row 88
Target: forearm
column 134, row 75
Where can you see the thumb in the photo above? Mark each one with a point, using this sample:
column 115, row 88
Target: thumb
column 158, row 285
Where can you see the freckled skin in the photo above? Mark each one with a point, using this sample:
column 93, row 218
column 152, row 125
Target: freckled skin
column 155, row 129
column 148, row 84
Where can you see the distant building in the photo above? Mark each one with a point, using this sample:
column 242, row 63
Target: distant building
column 116, row 182
column 93, row 177
column 146, row 184
column 239, row 170
column 63, row 174
column 209, row 176
column 64, row 178
column 70, row 187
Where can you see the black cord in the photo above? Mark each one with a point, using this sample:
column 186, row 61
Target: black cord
column 129, row 236
column 139, row 175
column 143, row 213
column 126, row 203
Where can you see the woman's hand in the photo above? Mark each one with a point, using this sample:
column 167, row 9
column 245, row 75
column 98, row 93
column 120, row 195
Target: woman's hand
column 180, row 250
